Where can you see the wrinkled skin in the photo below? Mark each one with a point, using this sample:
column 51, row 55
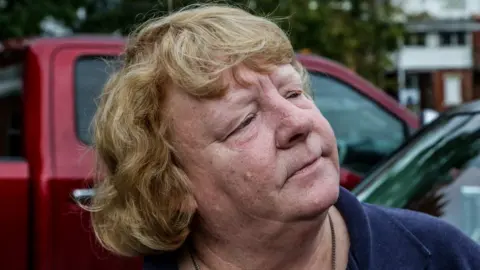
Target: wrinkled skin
column 244, row 153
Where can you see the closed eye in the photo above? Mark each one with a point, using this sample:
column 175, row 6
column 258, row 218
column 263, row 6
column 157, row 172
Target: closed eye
column 244, row 124
column 294, row 94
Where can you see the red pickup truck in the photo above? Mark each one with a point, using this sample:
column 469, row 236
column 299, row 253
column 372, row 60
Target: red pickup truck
column 48, row 88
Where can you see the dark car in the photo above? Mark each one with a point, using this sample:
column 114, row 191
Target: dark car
column 437, row 172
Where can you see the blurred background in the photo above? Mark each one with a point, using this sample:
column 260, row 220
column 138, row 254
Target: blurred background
column 422, row 52
column 398, row 80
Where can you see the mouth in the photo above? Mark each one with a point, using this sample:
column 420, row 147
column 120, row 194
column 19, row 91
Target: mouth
column 306, row 167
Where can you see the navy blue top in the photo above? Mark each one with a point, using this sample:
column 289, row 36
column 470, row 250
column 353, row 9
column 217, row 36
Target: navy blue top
column 383, row 238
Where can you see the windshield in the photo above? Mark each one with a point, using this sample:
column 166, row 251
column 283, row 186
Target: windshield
column 437, row 173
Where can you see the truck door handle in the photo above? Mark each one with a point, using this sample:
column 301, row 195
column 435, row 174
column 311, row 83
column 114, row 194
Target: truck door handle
column 83, row 196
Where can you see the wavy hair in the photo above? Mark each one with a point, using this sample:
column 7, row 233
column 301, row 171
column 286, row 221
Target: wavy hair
column 141, row 205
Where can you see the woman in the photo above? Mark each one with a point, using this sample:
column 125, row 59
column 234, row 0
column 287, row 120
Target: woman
column 216, row 158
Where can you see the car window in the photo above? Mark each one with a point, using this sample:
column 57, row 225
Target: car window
column 11, row 111
column 437, row 174
column 368, row 132
column 91, row 74
column 457, row 201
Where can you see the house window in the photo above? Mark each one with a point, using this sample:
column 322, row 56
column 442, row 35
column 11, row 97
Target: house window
column 415, row 39
column 455, row 4
column 411, row 81
column 452, row 38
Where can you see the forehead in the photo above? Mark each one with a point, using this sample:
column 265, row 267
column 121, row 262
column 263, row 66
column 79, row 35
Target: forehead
column 245, row 81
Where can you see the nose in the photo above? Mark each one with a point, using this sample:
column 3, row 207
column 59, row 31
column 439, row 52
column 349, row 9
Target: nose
column 294, row 127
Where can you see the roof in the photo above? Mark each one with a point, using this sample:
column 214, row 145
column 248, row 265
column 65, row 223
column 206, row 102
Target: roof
column 445, row 25
column 116, row 40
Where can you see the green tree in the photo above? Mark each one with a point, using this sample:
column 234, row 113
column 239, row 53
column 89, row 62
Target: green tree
column 20, row 18
column 105, row 17
column 360, row 34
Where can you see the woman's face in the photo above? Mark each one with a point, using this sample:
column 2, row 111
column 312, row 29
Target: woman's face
column 263, row 151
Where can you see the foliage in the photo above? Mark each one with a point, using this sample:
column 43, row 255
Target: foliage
column 357, row 33
column 20, row 18
column 360, row 34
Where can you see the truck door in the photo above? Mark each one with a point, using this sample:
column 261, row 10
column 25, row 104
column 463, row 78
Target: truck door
column 80, row 71
column 14, row 172
column 14, row 182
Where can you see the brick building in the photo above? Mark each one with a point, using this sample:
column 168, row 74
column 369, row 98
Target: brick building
column 441, row 56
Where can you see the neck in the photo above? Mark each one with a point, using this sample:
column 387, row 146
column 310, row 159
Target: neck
column 266, row 245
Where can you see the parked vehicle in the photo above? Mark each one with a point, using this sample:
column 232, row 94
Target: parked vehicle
column 48, row 91
column 437, row 172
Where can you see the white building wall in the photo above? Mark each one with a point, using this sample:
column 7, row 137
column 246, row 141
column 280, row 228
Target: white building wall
column 428, row 58
column 433, row 56
column 442, row 9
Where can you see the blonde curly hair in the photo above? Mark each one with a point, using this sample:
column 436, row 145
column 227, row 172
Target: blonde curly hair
column 141, row 205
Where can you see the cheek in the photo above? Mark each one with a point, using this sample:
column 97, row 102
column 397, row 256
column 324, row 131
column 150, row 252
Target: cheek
column 248, row 168
column 322, row 122
column 326, row 132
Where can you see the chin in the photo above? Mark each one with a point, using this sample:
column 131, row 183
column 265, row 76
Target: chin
column 320, row 201
column 313, row 201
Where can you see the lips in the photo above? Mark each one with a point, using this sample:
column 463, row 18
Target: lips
column 303, row 167
column 306, row 165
